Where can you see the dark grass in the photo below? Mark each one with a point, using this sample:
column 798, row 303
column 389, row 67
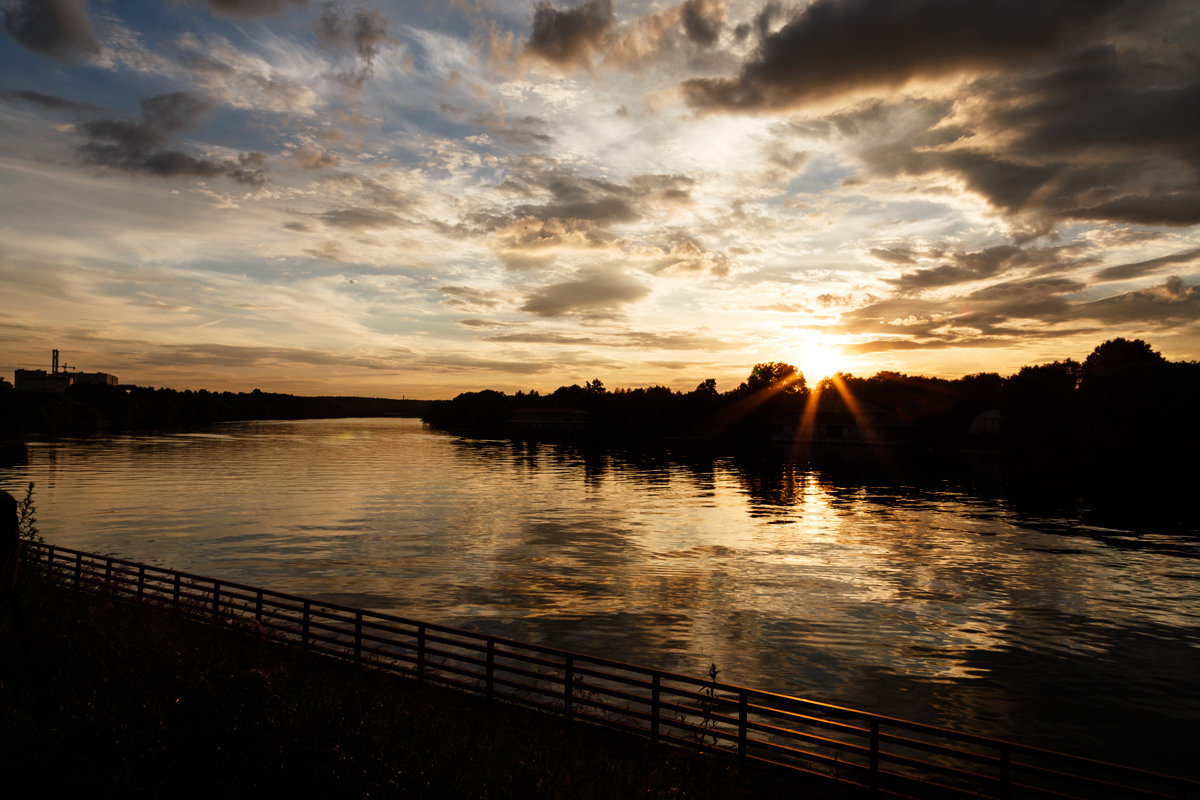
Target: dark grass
column 105, row 697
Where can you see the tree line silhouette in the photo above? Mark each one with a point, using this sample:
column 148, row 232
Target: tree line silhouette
column 87, row 408
column 1123, row 398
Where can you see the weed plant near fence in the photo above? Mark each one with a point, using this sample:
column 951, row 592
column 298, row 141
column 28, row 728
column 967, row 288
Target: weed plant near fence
column 889, row 756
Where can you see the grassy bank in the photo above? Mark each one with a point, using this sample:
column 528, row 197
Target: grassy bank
column 105, row 696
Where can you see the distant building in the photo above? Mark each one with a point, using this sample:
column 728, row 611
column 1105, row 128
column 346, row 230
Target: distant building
column 98, row 378
column 56, row 380
column 38, row 380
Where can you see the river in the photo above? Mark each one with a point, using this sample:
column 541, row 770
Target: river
column 949, row 597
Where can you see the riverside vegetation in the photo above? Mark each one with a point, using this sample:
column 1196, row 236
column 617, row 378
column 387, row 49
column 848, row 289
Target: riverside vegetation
column 94, row 408
column 1124, row 398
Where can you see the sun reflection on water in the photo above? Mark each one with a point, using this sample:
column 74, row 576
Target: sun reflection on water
column 788, row 577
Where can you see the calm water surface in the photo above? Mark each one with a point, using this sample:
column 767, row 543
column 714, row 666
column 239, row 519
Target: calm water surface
column 922, row 599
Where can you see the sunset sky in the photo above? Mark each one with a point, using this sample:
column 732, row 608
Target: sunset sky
column 421, row 198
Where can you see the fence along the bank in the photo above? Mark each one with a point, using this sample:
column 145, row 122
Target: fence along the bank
column 890, row 756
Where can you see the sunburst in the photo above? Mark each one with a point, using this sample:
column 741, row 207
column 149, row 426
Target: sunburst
column 819, row 361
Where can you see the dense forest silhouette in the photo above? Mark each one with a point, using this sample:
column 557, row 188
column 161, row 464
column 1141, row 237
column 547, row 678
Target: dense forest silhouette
column 1123, row 398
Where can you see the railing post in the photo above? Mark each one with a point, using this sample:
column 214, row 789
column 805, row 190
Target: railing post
column 357, row 637
column 743, row 709
column 304, row 625
column 78, row 569
column 874, row 756
column 216, row 608
column 655, row 706
column 491, row 666
column 175, row 592
column 141, row 582
column 50, row 561
column 569, row 686
column 108, row 574
column 420, row 652
column 258, row 604
column 1005, row 777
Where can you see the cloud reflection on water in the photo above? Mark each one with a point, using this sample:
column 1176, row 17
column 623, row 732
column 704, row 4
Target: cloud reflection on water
column 898, row 590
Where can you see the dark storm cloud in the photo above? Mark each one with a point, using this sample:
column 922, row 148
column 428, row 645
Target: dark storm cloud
column 991, row 311
column 138, row 145
column 251, row 8
column 964, row 267
column 1077, row 111
column 47, row 101
column 702, row 21
column 595, row 293
column 361, row 35
column 1165, row 306
column 1106, row 146
column 1176, row 205
column 57, row 29
column 1039, row 176
column 567, row 38
column 833, row 46
column 1037, row 298
column 1123, row 272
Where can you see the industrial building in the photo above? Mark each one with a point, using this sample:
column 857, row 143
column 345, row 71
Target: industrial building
column 57, row 380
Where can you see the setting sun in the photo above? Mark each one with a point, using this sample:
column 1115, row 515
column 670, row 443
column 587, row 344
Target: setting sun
column 818, row 362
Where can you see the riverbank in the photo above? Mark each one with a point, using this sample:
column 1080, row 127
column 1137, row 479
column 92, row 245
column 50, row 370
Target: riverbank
column 105, row 695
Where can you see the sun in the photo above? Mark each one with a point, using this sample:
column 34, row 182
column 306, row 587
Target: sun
column 819, row 361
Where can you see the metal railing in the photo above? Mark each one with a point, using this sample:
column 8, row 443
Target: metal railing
column 889, row 756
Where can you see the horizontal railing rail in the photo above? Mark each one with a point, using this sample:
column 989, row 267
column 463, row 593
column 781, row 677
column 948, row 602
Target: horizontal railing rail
column 886, row 755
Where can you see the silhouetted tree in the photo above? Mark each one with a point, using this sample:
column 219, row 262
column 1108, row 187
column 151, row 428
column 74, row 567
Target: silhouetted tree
column 774, row 377
column 1127, row 398
column 1042, row 406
